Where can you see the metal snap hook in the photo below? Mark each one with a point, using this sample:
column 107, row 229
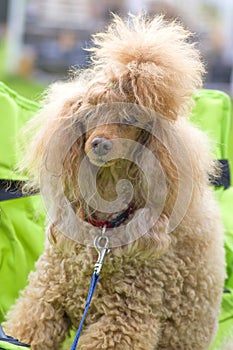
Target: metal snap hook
column 101, row 244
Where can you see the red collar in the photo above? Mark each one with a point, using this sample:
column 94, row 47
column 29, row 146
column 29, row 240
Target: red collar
column 93, row 220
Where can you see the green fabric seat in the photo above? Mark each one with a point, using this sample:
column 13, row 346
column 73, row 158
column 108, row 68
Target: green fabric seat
column 213, row 113
column 21, row 219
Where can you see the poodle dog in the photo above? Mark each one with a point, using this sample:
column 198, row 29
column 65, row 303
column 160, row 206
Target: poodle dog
column 115, row 152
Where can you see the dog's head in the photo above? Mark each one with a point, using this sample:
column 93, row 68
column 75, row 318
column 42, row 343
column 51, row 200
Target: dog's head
column 119, row 120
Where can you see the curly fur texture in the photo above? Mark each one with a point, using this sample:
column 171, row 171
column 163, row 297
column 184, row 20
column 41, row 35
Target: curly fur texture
column 161, row 291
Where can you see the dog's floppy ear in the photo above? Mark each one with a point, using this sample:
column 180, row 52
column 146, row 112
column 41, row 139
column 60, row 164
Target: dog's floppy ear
column 59, row 114
column 150, row 62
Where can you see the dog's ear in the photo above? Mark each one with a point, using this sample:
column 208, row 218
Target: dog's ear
column 58, row 117
column 149, row 62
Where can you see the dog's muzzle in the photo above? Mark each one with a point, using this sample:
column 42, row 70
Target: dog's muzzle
column 101, row 146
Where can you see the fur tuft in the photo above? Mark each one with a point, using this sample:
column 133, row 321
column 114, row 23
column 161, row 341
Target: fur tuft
column 152, row 57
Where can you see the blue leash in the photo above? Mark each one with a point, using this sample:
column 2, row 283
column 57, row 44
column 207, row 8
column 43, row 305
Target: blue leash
column 94, row 280
column 102, row 249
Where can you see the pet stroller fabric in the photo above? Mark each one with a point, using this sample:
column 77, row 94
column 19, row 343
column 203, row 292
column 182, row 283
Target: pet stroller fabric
column 8, row 346
column 213, row 113
column 22, row 218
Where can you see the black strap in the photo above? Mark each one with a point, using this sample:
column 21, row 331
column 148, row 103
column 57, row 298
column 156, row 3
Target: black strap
column 11, row 340
column 10, row 189
column 225, row 179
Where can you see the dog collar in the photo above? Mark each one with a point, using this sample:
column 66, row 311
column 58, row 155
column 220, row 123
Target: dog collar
column 93, row 220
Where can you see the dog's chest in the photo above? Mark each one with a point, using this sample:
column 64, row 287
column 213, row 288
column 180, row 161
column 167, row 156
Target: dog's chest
column 128, row 279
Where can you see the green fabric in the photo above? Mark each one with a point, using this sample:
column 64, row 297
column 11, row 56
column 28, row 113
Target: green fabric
column 15, row 111
column 226, row 204
column 225, row 330
column 230, row 143
column 22, row 219
column 226, row 317
column 7, row 346
column 21, row 242
column 213, row 114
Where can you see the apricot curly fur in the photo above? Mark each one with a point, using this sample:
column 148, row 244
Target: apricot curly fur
column 162, row 291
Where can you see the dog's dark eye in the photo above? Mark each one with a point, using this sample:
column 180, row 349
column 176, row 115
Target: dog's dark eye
column 129, row 120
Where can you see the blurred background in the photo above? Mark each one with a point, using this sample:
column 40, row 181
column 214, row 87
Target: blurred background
column 42, row 40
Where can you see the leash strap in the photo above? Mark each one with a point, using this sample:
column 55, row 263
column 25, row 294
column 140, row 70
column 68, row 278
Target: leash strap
column 101, row 245
column 94, row 280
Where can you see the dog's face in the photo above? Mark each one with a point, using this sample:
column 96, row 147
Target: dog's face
column 115, row 149
column 120, row 156
column 119, row 171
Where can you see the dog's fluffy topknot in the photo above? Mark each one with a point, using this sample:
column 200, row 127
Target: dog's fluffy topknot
column 150, row 62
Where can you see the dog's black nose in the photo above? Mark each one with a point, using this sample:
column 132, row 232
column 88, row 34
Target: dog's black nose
column 101, row 146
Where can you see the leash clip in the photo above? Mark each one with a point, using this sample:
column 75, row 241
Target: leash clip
column 101, row 245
